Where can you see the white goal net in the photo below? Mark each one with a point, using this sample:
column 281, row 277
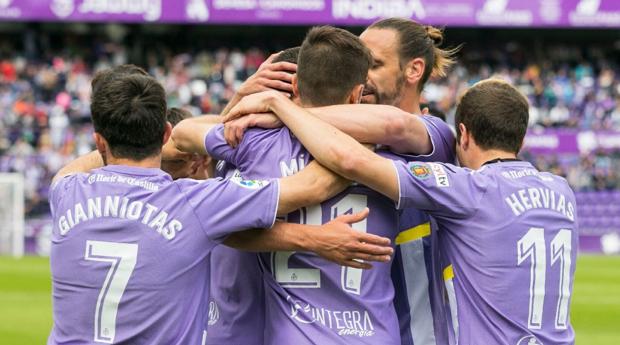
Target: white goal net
column 11, row 214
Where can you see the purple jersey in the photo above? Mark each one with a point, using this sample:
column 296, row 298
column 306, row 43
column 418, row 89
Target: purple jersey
column 308, row 299
column 237, row 295
column 509, row 233
column 131, row 249
column 415, row 270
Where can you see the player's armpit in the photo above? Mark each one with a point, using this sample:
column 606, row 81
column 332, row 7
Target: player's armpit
column 312, row 185
column 335, row 241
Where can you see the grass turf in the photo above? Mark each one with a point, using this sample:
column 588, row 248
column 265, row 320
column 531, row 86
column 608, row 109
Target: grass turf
column 26, row 311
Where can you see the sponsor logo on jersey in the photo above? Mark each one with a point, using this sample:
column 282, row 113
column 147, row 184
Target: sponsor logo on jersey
column 420, row 171
column 441, row 177
column 355, row 323
column 250, row 184
column 529, row 340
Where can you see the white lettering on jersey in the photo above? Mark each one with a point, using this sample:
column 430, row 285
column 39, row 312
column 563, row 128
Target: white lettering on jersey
column 296, row 165
column 131, row 210
column 346, row 322
column 534, row 198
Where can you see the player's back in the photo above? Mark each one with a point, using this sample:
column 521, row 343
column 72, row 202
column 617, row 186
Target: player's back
column 510, row 234
column 130, row 255
column 308, row 299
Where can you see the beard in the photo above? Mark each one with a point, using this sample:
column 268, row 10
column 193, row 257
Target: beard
column 392, row 97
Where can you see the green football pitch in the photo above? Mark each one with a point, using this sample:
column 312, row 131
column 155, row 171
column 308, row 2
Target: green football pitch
column 26, row 315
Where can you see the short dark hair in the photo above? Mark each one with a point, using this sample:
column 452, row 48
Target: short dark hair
column 115, row 72
column 288, row 55
column 495, row 113
column 420, row 41
column 176, row 115
column 331, row 63
column 130, row 113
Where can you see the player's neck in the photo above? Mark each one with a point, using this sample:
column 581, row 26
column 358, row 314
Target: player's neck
column 410, row 102
column 149, row 162
column 485, row 156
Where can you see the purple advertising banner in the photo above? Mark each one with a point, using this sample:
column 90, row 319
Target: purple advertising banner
column 518, row 13
column 568, row 141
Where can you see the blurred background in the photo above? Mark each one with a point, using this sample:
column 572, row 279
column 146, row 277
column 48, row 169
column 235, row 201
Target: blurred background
column 564, row 55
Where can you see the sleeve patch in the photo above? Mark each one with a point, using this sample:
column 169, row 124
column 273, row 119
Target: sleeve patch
column 441, row 177
column 420, row 171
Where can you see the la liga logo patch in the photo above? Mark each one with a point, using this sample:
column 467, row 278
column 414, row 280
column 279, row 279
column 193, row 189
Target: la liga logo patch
column 420, row 171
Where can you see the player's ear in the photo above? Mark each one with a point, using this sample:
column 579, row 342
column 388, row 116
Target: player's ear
column 101, row 144
column 295, row 86
column 414, row 70
column 167, row 133
column 355, row 97
column 463, row 137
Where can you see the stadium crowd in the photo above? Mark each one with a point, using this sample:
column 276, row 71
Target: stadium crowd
column 44, row 105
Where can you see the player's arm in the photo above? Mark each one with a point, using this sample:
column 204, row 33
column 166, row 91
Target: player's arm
column 330, row 146
column 312, row 185
column 189, row 134
column 379, row 124
column 84, row 163
column 269, row 76
column 335, row 241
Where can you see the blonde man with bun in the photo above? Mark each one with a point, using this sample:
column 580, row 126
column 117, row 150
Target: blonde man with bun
column 405, row 55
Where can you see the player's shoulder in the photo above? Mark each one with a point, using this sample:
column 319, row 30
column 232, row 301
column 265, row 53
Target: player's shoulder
column 438, row 124
column 267, row 133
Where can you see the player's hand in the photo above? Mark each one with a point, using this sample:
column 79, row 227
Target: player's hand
column 169, row 152
column 270, row 76
column 234, row 130
column 340, row 243
column 258, row 103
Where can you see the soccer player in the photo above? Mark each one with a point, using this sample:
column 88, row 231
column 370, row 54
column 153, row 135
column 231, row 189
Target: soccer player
column 130, row 247
column 405, row 54
column 237, row 294
column 508, row 230
column 309, row 300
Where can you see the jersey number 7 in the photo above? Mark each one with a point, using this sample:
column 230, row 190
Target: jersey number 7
column 122, row 258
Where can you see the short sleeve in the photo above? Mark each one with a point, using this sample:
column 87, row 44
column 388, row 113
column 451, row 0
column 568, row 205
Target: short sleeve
column 226, row 206
column 442, row 139
column 58, row 189
column 217, row 147
column 439, row 189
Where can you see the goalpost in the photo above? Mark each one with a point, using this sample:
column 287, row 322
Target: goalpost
column 12, row 215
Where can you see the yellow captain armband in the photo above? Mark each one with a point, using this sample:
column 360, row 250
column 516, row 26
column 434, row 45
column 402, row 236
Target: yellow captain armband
column 414, row 233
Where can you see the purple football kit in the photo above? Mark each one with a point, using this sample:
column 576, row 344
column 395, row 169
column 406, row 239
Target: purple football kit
column 508, row 239
column 131, row 249
column 308, row 299
column 237, row 296
column 416, row 273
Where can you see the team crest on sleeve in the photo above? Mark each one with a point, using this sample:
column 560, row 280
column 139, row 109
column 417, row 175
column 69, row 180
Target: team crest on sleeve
column 250, row 184
column 420, row 171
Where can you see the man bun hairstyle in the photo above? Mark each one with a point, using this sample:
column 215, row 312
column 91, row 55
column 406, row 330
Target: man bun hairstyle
column 130, row 113
column 496, row 115
column 420, row 41
column 332, row 61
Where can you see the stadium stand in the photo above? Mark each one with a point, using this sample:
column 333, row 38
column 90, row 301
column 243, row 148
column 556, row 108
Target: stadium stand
column 44, row 104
